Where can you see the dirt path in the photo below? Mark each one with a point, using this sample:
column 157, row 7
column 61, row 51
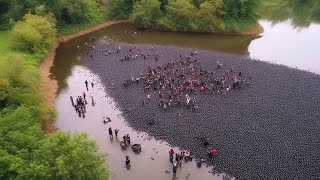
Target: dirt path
column 49, row 85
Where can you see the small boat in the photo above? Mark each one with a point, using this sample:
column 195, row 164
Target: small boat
column 136, row 148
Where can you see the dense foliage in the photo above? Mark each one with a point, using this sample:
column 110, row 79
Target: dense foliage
column 188, row 15
column 34, row 33
column 120, row 9
column 67, row 12
column 146, row 13
column 26, row 150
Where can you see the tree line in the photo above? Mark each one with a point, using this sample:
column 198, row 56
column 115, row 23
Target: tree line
column 188, row 15
column 67, row 12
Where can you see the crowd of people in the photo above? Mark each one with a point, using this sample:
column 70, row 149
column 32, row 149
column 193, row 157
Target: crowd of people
column 80, row 104
column 188, row 156
column 176, row 83
column 124, row 143
column 180, row 82
column 80, row 101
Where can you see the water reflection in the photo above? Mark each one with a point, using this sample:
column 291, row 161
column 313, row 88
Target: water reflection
column 281, row 44
column 300, row 13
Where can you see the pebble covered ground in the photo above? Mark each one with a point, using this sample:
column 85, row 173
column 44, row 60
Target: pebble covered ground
column 268, row 130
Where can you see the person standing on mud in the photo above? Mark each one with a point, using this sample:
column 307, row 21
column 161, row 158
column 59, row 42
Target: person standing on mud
column 177, row 157
column 71, row 98
column 174, row 168
column 128, row 139
column 127, row 161
column 110, row 132
column 171, row 153
column 86, row 82
column 116, row 132
column 84, row 96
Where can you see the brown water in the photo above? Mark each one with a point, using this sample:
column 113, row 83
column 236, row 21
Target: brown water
column 280, row 43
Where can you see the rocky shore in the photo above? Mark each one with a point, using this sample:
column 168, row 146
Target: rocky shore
column 268, row 130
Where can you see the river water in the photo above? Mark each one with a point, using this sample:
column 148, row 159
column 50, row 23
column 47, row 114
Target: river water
column 281, row 43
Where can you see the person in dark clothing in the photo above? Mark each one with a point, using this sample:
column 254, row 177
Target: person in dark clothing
column 86, row 82
column 127, row 160
column 71, row 98
column 84, row 95
column 171, row 153
column 110, row 132
column 116, row 132
column 128, row 138
column 177, row 157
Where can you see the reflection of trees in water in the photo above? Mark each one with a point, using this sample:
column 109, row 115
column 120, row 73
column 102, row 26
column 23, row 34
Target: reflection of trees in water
column 301, row 13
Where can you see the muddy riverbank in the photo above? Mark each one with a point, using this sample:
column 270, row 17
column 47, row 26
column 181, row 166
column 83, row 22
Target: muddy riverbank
column 49, row 84
column 266, row 131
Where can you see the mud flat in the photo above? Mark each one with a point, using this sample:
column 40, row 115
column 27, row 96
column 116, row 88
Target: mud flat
column 268, row 130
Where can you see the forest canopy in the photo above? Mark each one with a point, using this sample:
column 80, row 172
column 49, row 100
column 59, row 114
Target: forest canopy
column 188, row 15
column 67, row 12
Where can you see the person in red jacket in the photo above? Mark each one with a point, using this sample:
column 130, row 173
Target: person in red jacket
column 212, row 152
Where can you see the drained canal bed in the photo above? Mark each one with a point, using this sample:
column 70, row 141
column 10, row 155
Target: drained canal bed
column 152, row 163
column 267, row 130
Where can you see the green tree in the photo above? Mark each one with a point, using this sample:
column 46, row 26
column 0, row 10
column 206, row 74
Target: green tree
column 34, row 33
column 65, row 11
column 180, row 15
column 75, row 11
column 197, row 3
column 241, row 9
column 62, row 156
column 5, row 6
column 120, row 9
column 208, row 16
column 146, row 13
column 163, row 5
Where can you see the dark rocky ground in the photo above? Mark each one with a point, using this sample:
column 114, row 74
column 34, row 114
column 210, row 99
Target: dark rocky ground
column 269, row 130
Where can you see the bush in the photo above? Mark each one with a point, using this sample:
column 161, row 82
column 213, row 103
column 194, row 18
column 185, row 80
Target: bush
column 182, row 15
column 34, row 33
column 75, row 11
column 63, row 156
column 146, row 13
column 120, row 9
